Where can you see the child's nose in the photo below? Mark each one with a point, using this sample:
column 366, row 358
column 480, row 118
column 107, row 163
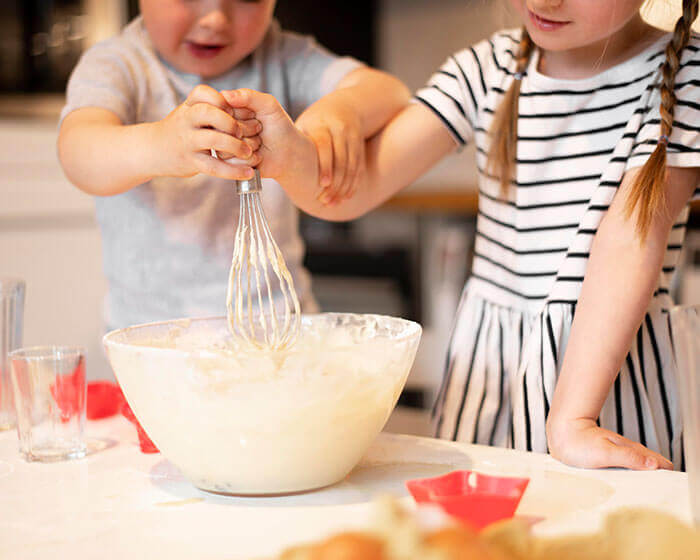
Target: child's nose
column 544, row 4
column 214, row 15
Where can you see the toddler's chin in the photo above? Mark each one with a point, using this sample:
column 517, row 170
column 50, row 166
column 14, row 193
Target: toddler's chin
column 207, row 68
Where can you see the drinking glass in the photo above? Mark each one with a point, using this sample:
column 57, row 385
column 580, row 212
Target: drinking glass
column 50, row 397
column 11, row 315
column 685, row 328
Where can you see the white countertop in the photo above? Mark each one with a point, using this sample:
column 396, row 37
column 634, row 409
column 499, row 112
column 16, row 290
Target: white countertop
column 118, row 503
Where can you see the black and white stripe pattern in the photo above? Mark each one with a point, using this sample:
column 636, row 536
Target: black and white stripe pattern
column 576, row 140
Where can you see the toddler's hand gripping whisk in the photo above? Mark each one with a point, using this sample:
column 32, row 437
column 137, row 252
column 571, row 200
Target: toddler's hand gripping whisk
column 262, row 305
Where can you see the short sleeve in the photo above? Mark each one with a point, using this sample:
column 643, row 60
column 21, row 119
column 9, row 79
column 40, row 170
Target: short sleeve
column 102, row 78
column 457, row 90
column 684, row 141
column 311, row 70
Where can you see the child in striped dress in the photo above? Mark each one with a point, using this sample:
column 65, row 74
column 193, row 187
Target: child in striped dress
column 587, row 128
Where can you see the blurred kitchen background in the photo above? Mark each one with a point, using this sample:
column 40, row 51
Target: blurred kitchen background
column 409, row 259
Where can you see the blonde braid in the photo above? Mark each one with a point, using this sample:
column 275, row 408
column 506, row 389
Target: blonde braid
column 646, row 197
column 504, row 127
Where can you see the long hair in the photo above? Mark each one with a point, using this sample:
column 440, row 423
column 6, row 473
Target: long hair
column 646, row 197
column 504, row 127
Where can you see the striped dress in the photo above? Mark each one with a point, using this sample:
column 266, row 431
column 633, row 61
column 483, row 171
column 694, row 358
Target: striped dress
column 576, row 140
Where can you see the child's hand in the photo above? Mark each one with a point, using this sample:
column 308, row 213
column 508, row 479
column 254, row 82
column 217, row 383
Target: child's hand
column 582, row 443
column 336, row 130
column 284, row 151
column 201, row 123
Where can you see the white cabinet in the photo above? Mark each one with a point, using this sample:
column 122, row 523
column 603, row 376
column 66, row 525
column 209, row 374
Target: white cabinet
column 49, row 238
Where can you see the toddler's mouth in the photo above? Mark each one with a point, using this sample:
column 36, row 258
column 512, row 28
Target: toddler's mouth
column 202, row 50
column 544, row 24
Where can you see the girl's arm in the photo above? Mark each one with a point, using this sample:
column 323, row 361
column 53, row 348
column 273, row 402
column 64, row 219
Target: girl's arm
column 101, row 156
column 339, row 123
column 410, row 144
column 620, row 279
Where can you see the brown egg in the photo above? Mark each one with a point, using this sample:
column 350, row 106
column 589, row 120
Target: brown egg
column 349, row 546
column 460, row 543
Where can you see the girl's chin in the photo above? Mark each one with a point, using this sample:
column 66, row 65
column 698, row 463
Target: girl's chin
column 550, row 42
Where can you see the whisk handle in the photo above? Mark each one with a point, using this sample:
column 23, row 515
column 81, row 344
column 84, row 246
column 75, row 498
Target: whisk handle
column 247, row 186
column 252, row 185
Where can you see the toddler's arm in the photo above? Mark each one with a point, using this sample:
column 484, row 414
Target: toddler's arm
column 410, row 144
column 102, row 156
column 340, row 122
column 619, row 281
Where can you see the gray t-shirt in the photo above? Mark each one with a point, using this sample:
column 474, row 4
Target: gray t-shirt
column 167, row 243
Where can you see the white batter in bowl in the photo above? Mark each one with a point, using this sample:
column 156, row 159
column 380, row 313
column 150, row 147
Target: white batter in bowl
column 254, row 422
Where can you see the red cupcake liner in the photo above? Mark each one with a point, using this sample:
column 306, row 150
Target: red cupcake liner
column 474, row 498
column 147, row 446
column 104, row 399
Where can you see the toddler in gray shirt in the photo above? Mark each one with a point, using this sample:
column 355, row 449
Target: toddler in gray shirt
column 143, row 111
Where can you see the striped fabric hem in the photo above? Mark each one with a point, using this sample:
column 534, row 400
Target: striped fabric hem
column 502, row 368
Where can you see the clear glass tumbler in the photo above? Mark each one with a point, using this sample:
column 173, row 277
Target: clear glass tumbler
column 11, row 323
column 50, row 398
column 685, row 328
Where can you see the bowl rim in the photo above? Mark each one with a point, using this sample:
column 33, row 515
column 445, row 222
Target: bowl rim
column 412, row 329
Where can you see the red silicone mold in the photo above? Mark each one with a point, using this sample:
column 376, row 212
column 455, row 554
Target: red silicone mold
column 147, row 446
column 474, row 498
column 104, row 399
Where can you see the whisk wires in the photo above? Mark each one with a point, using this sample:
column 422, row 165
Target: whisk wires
column 258, row 271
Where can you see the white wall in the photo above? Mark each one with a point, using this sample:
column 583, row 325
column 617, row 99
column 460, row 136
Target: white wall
column 665, row 13
column 49, row 238
column 416, row 36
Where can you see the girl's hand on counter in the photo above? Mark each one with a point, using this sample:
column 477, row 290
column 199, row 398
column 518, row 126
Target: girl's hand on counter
column 204, row 121
column 336, row 130
column 581, row 442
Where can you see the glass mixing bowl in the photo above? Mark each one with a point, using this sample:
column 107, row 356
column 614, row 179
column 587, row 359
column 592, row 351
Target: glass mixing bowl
column 248, row 422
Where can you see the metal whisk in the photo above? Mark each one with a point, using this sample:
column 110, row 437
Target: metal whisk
column 262, row 305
